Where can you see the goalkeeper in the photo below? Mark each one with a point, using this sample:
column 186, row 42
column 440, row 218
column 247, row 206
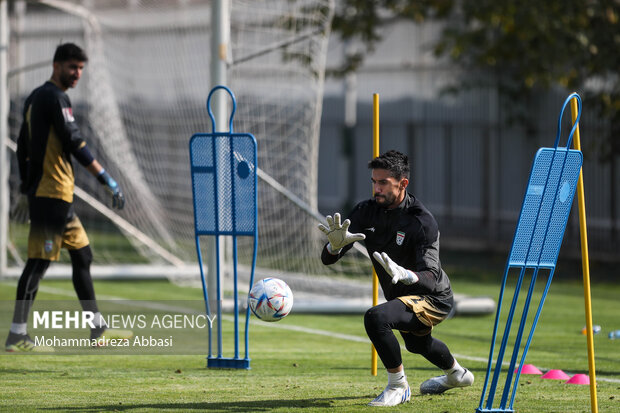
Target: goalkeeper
column 402, row 238
column 48, row 138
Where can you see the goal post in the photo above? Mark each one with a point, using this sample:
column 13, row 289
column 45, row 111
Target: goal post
column 4, row 156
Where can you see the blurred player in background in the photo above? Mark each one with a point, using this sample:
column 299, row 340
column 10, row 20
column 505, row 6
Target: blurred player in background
column 48, row 137
column 402, row 238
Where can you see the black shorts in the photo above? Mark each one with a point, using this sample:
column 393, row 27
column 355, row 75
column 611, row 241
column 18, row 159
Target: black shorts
column 53, row 225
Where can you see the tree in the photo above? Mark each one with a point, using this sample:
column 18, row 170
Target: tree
column 524, row 45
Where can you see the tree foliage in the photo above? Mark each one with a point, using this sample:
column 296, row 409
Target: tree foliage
column 519, row 46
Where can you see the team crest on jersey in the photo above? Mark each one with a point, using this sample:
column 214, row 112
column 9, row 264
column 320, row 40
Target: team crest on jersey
column 48, row 246
column 400, row 237
column 67, row 113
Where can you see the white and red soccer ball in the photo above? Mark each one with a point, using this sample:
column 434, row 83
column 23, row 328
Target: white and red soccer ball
column 270, row 299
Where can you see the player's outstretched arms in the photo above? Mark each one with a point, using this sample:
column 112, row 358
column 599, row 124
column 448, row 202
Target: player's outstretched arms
column 395, row 271
column 338, row 233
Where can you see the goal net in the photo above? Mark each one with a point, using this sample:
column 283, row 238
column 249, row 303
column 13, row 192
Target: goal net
column 141, row 98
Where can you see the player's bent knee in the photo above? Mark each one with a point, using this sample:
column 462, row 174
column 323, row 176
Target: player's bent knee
column 374, row 319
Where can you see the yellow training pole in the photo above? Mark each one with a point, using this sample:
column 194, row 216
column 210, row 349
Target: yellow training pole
column 375, row 280
column 585, row 265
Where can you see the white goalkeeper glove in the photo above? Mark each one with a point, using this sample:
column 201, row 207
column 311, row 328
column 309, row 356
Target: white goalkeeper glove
column 338, row 234
column 397, row 272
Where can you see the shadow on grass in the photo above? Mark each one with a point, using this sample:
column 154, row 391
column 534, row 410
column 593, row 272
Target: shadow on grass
column 23, row 372
column 240, row 406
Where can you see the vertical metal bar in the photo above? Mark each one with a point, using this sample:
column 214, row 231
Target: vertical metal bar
column 411, row 142
column 247, row 310
column 585, row 263
column 220, row 34
column 375, row 279
column 254, row 249
column 447, row 180
column 219, row 300
column 216, row 253
column 350, row 122
column 4, row 135
column 234, row 241
column 236, row 296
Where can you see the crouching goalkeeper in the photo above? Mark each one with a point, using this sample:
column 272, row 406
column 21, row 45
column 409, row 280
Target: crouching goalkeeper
column 402, row 238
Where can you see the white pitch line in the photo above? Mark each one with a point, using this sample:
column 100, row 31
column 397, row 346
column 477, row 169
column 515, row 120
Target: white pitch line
column 307, row 330
column 300, row 329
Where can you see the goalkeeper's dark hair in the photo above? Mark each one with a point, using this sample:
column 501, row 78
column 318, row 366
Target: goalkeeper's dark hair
column 70, row 51
column 395, row 162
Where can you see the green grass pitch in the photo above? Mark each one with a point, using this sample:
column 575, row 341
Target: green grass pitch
column 314, row 363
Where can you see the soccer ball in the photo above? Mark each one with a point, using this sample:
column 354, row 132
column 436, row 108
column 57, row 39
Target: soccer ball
column 271, row 299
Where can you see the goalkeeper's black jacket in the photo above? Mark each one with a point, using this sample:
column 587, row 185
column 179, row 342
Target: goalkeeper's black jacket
column 410, row 236
column 48, row 137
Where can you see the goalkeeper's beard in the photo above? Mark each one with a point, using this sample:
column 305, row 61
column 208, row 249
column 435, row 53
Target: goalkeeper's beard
column 386, row 200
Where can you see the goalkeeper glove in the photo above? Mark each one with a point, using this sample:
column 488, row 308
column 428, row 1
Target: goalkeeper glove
column 118, row 199
column 338, row 234
column 395, row 271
